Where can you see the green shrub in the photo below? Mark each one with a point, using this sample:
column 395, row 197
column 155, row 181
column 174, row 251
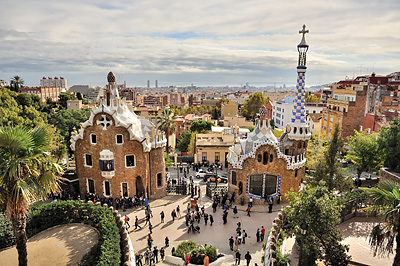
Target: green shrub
column 42, row 216
column 6, row 233
column 283, row 260
column 196, row 254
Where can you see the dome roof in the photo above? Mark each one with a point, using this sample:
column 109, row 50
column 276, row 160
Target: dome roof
column 111, row 77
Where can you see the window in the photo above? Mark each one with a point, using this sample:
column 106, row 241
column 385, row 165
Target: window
column 331, row 119
column 88, row 160
column 344, row 110
column 339, row 120
column 233, row 178
column 124, row 190
column 256, row 184
column 330, row 130
column 299, row 145
column 107, row 188
column 324, row 127
column 295, row 173
column 93, row 139
column 259, row 158
column 325, row 117
column 119, row 139
column 130, row 161
column 204, row 156
column 271, row 157
column 106, row 165
column 265, row 158
column 217, row 157
column 90, row 186
column 159, row 180
column 270, row 184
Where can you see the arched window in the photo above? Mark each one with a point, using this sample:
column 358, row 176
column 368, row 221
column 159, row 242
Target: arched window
column 301, row 130
column 294, row 130
column 259, row 158
column 271, row 157
column 295, row 173
column 265, row 158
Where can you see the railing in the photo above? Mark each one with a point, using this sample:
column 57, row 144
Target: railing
column 215, row 189
column 177, row 189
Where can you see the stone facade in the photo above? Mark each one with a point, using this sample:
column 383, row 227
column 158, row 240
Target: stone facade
column 117, row 154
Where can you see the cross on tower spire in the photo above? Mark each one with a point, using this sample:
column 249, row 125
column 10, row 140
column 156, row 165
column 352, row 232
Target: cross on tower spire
column 304, row 31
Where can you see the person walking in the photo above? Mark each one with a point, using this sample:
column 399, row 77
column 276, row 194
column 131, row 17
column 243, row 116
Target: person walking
column 155, row 252
column 270, row 204
column 248, row 257
column 150, row 228
column 211, row 219
column 146, row 257
column 206, row 260
column 127, row 225
column 231, row 242
column 188, row 207
column 236, row 243
column 244, row 235
column 151, row 258
column 137, row 223
column 262, row 233
column 235, row 212
column 147, row 219
column 166, row 241
column 205, row 218
column 178, row 211
column 248, row 210
column 139, row 259
column 237, row 261
column 173, row 213
column 162, row 215
column 162, row 253
column 258, row 234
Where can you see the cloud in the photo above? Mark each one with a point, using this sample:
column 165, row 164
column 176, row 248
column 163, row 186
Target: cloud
column 221, row 41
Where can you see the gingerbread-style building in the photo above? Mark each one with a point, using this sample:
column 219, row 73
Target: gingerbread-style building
column 116, row 153
column 261, row 165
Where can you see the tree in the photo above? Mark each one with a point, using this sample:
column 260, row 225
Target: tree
column 317, row 209
column 327, row 167
column 16, row 83
column 166, row 123
column 252, row 105
column 386, row 198
column 28, row 174
column 310, row 98
column 201, row 126
column 184, row 141
column 389, row 143
column 315, row 151
column 364, row 151
column 79, row 96
column 192, row 144
column 64, row 97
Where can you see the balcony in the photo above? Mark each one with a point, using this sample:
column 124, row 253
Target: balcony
column 107, row 174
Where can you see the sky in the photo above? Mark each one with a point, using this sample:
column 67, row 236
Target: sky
column 207, row 42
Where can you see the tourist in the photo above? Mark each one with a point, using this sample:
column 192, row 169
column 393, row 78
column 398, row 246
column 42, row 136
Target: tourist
column 188, row 207
column 258, row 234
column 235, row 212
column 178, row 211
column 151, row 258
column 155, row 252
column 162, row 216
column 166, row 241
column 137, row 223
column 205, row 218
column 231, row 242
column 262, row 233
column 173, row 214
column 244, row 235
column 139, row 259
column 236, row 243
column 211, row 219
column 150, row 228
column 147, row 219
column 237, row 261
column 248, row 210
column 251, row 202
column 239, row 237
column 127, row 225
column 146, row 257
column 162, row 253
column 248, row 257
column 187, row 259
column 270, row 203
column 206, row 260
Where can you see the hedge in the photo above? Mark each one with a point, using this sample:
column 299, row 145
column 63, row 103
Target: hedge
column 196, row 254
column 106, row 252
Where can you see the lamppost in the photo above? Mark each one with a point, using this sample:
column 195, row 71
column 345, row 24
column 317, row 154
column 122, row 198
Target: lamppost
column 303, row 231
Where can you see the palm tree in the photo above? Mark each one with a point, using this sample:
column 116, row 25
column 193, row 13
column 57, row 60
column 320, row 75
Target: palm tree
column 386, row 201
column 17, row 82
column 27, row 174
column 166, row 123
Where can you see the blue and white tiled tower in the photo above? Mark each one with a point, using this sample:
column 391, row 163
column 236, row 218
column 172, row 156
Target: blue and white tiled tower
column 298, row 129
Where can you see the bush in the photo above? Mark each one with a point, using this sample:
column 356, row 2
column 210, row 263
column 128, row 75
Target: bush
column 106, row 252
column 6, row 233
column 283, row 260
column 196, row 254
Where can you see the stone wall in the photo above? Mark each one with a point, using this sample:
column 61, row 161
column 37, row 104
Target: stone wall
column 386, row 174
column 157, row 167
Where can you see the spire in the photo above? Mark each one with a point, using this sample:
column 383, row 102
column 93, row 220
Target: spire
column 298, row 129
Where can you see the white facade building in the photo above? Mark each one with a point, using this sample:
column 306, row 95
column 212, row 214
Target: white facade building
column 282, row 110
column 56, row 82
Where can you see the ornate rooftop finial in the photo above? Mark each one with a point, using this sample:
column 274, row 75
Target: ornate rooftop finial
column 111, row 77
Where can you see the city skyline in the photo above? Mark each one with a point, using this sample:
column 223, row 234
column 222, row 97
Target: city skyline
column 204, row 43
